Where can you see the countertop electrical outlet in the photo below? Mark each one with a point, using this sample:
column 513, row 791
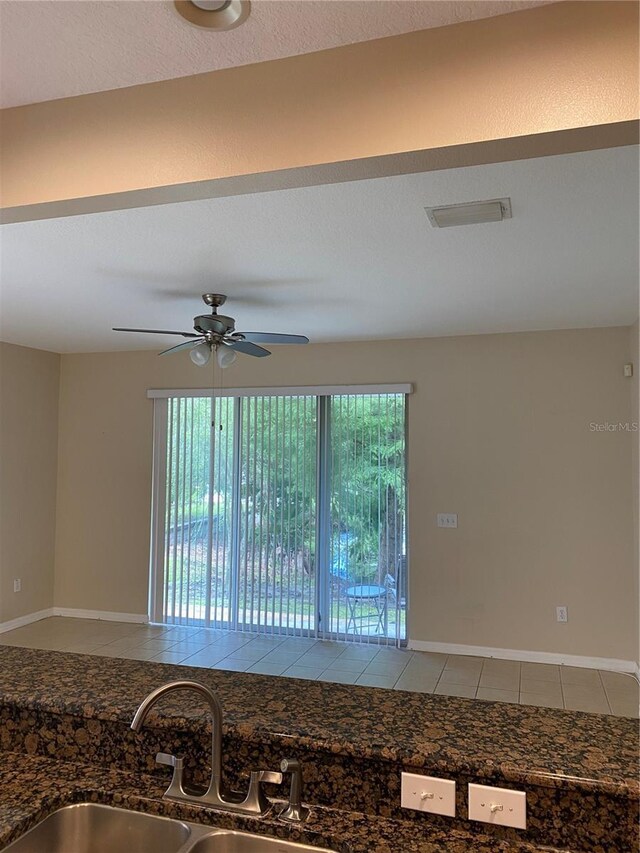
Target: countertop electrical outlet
column 499, row 806
column 428, row 794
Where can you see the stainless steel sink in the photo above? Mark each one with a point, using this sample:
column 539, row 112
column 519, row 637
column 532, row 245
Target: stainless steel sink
column 225, row 841
column 92, row 828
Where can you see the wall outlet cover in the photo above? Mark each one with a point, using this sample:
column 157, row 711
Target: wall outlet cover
column 447, row 519
column 428, row 794
column 499, row 806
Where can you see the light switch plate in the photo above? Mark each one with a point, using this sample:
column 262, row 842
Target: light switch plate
column 447, row 519
column 428, row 794
column 499, row 806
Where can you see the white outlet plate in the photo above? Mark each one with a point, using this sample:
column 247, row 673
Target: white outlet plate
column 17, row 585
column 562, row 613
column 447, row 519
column 498, row 806
column 428, row 794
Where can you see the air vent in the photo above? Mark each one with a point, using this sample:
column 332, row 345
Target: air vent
column 470, row 213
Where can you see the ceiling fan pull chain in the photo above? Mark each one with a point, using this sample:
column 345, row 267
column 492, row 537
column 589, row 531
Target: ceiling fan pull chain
column 213, row 396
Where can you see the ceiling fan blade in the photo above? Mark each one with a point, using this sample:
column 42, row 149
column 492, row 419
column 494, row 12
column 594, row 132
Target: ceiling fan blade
column 274, row 338
column 248, row 348
column 185, row 345
column 158, row 332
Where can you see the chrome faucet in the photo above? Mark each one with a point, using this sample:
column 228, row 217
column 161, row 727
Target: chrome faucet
column 216, row 796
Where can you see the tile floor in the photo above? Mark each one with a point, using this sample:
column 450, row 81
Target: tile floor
column 546, row 685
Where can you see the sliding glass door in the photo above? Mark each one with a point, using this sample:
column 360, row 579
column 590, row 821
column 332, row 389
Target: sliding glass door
column 281, row 513
column 197, row 527
column 277, row 515
column 366, row 573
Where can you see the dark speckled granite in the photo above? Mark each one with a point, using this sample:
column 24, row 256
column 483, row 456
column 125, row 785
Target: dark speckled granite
column 580, row 771
column 31, row 788
column 520, row 743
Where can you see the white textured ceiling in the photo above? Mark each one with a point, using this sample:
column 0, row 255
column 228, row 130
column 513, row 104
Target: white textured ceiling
column 340, row 262
column 58, row 48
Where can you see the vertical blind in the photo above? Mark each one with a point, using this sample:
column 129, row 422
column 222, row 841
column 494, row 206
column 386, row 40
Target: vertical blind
column 277, row 540
column 281, row 513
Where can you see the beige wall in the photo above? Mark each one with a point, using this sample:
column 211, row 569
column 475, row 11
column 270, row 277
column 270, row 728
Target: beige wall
column 29, row 383
column 561, row 67
column 500, row 433
column 634, row 358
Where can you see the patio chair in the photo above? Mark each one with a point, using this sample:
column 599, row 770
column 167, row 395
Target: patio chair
column 398, row 595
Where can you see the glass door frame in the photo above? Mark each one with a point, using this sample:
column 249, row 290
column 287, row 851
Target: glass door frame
column 323, row 520
column 322, row 565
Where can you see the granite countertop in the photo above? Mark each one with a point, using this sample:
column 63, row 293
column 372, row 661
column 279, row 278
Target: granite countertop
column 33, row 787
column 522, row 744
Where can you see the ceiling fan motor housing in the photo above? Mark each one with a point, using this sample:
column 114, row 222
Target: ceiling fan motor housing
column 216, row 324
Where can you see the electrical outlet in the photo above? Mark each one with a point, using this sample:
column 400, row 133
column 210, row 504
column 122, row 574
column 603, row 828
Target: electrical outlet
column 499, row 806
column 562, row 613
column 17, row 585
column 428, row 794
column 447, row 519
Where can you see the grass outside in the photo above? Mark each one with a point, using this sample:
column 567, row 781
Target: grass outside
column 274, row 594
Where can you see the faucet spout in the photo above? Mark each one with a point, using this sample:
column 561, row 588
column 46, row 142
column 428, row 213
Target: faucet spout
column 254, row 802
column 214, row 791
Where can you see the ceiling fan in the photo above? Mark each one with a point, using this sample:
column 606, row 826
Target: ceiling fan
column 216, row 333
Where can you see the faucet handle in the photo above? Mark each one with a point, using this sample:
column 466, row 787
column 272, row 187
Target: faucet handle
column 169, row 760
column 271, row 776
column 260, row 804
column 175, row 788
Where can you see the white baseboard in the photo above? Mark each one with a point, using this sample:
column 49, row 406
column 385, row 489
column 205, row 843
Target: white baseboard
column 107, row 615
column 614, row 664
column 12, row 624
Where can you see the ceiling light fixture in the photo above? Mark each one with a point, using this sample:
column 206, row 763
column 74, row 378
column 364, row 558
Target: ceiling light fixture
column 200, row 355
column 225, row 356
column 211, row 5
column 214, row 14
column 470, row 213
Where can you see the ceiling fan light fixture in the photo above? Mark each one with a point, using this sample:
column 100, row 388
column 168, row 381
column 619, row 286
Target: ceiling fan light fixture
column 214, row 14
column 225, row 356
column 200, row 355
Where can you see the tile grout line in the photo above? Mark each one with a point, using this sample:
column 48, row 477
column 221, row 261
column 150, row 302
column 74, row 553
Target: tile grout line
column 564, row 701
column 393, row 686
column 604, row 690
column 138, row 636
column 475, row 695
column 520, row 684
column 435, row 686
